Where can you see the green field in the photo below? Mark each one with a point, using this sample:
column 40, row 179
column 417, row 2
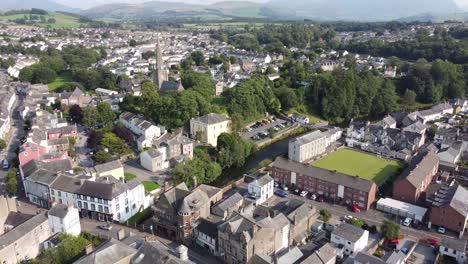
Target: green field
column 355, row 163
column 61, row 80
column 62, row 20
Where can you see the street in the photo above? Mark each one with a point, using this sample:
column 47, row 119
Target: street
column 372, row 217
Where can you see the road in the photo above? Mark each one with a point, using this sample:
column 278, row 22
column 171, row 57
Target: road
column 372, row 217
column 91, row 227
column 15, row 135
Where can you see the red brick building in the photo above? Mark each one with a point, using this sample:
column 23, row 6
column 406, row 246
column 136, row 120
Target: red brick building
column 416, row 178
column 450, row 208
column 338, row 187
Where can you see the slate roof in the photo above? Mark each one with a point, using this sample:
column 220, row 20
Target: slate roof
column 153, row 153
column 230, row 202
column 155, row 252
column 368, row 259
column 109, row 252
column 211, row 119
column 325, row 175
column 21, row 230
column 15, row 218
column 105, row 188
column 420, row 168
column 454, row 243
column 208, row 228
column 309, row 137
column 168, row 86
column 109, row 166
column 349, row 232
column 323, row 255
column 59, row 210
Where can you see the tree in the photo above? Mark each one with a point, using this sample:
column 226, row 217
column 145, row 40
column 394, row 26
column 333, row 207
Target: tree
column 106, row 114
column 198, row 57
column 76, row 113
column 409, row 98
column 233, row 150
column 11, row 182
column 90, row 117
column 3, row 144
column 325, row 215
column 94, row 138
column 102, row 157
column 357, row 222
column 115, row 144
column 390, row 230
column 132, row 43
column 51, row 20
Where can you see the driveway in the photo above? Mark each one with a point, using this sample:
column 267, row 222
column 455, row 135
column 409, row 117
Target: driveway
column 133, row 166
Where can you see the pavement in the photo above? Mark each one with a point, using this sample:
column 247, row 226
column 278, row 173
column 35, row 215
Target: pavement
column 133, row 166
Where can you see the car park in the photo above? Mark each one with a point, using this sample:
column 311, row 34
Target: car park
column 303, row 193
column 281, row 193
column 407, row 221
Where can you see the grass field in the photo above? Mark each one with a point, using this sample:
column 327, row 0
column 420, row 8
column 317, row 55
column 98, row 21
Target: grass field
column 61, row 80
column 360, row 164
column 62, row 20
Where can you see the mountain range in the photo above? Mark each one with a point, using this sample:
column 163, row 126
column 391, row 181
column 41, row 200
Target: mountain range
column 320, row 10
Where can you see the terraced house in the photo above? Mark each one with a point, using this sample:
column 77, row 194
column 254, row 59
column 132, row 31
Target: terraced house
column 341, row 188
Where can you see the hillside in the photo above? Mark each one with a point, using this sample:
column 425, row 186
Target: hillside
column 61, row 20
column 159, row 9
column 364, row 10
column 436, row 17
column 48, row 5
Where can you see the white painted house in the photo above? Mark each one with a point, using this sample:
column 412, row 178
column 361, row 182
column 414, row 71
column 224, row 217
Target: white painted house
column 64, row 219
column 261, row 189
column 455, row 248
column 142, row 128
column 352, row 238
column 306, row 147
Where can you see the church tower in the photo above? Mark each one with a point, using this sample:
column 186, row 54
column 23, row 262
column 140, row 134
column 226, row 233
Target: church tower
column 161, row 73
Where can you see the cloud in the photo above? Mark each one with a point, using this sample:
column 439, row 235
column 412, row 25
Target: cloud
column 463, row 4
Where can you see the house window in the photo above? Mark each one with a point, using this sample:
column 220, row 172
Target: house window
column 126, row 209
column 80, row 205
column 52, row 192
column 60, row 201
column 93, row 207
column 85, row 205
column 106, row 209
column 59, row 193
column 100, row 208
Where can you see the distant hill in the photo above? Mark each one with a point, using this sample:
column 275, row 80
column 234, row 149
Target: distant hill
column 48, row 5
column 161, row 9
column 364, row 10
column 436, row 17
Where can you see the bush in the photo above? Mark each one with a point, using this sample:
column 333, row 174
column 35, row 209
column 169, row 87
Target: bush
column 129, row 176
column 325, row 215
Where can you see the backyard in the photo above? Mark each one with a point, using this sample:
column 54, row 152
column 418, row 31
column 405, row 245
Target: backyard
column 355, row 163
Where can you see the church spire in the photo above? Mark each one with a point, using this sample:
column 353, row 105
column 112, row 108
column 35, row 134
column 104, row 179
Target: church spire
column 161, row 73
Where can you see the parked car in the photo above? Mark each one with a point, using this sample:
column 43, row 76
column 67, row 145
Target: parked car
column 297, row 191
column 321, row 199
column 107, row 227
column 432, row 241
column 281, row 193
column 407, row 221
column 5, row 165
column 303, row 193
column 313, row 197
column 355, row 209
column 276, row 184
column 284, row 187
column 348, row 217
column 441, row 230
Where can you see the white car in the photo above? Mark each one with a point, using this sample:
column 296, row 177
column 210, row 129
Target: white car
column 441, row 230
column 407, row 221
column 313, row 197
column 304, row 193
column 348, row 217
column 107, row 227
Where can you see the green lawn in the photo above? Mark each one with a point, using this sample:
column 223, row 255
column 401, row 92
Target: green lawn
column 140, row 217
column 61, row 80
column 150, row 186
column 129, row 176
column 354, row 163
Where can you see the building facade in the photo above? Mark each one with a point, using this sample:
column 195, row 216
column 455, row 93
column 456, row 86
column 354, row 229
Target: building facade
column 306, row 147
column 207, row 128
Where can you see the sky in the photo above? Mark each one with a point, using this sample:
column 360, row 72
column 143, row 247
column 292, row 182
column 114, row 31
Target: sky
column 463, row 4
